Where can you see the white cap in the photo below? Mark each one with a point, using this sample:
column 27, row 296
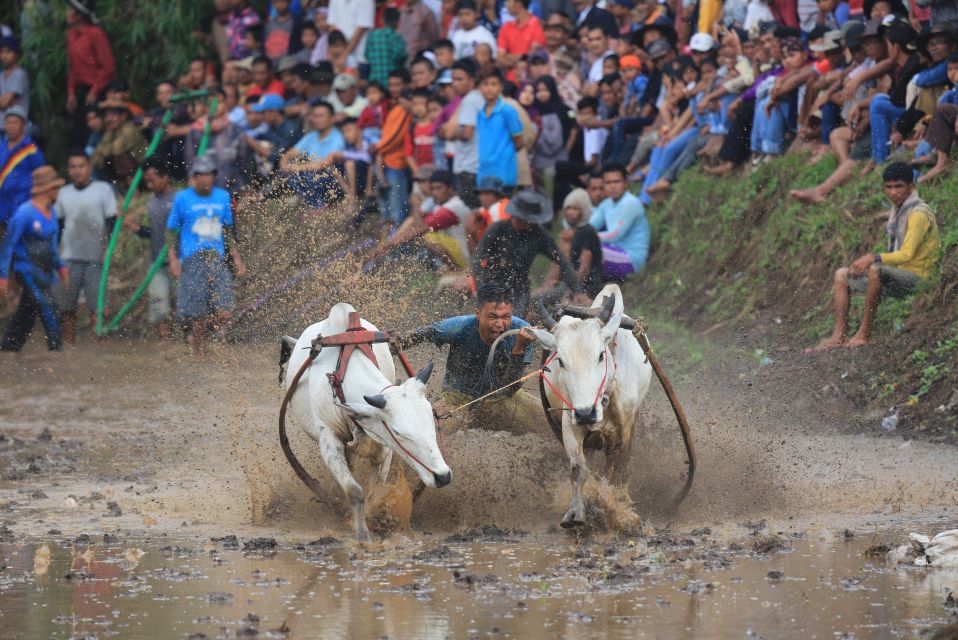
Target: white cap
column 701, row 42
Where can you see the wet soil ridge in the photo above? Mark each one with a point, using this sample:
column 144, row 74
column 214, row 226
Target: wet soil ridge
column 739, row 257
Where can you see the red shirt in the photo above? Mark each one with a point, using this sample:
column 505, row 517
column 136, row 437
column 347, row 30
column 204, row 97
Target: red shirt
column 418, row 146
column 276, row 86
column 519, row 40
column 90, row 59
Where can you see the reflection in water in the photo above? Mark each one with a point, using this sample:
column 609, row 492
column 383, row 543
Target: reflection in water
column 535, row 587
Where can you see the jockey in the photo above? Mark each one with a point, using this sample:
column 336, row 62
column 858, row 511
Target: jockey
column 470, row 338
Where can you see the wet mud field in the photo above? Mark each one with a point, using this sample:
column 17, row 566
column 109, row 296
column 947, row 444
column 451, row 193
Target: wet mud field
column 145, row 495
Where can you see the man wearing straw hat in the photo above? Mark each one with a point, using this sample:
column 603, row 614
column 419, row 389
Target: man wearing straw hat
column 29, row 249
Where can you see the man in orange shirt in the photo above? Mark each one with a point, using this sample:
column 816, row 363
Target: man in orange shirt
column 263, row 80
column 395, row 206
column 518, row 37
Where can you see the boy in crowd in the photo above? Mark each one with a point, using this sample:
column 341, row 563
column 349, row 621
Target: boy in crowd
column 199, row 233
column 357, row 163
column 14, row 82
column 499, row 131
column 281, row 32
column 419, row 144
column 470, row 33
column 88, row 209
column 493, row 198
column 385, row 48
column 395, row 205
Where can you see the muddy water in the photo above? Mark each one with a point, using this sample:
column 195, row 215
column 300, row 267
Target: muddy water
column 486, row 583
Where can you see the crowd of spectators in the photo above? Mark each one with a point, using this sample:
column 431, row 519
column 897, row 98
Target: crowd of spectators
column 439, row 119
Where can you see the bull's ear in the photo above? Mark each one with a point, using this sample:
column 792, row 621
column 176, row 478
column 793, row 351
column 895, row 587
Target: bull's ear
column 546, row 339
column 361, row 410
column 610, row 328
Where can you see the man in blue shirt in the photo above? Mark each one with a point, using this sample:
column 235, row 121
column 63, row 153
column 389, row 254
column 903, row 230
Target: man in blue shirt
column 29, row 249
column 202, row 218
column 470, row 338
column 19, row 156
column 499, row 131
column 622, row 226
column 312, row 162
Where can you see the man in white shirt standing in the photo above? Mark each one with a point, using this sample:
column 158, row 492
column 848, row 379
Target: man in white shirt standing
column 470, row 33
column 354, row 18
column 88, row 210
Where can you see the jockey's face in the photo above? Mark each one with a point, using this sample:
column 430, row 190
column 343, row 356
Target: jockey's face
column 494, row 319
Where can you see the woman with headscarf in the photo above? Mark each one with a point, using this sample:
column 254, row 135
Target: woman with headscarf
column 579, row 242
column 555, row 132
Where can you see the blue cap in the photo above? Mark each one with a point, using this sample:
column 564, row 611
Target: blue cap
column 9, row 42
column 269, row 102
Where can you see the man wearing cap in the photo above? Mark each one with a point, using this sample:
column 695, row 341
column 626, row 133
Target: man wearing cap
column 507, row 250
column 351, row 104
column 19, row 157
column 492, row 196
column 701, row 46
column 312, row 160
column 91, row 64
column 281, row 133
column 470, row 339
column 14, row 82
column 88, row 209
column 470, row 33
column 122, row 148
column 913, row 252
column 199, row 232
column 29, row 250
column 440, row 221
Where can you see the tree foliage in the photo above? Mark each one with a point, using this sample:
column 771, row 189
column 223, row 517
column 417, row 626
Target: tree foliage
column 150, row 40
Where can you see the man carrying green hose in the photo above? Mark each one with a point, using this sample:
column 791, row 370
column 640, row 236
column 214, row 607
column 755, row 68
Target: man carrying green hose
column 199, row 233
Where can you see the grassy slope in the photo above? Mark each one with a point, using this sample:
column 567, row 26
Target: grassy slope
column 738, row 254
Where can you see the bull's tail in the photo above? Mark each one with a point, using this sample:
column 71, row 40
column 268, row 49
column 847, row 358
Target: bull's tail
column 286, row 345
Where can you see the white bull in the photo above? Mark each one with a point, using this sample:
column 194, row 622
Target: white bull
column 377, row 419
column 599, row 375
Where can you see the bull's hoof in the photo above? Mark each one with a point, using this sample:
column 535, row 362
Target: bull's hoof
column 572, row 520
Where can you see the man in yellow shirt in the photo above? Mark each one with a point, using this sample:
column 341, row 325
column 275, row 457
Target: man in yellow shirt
column 913, row 251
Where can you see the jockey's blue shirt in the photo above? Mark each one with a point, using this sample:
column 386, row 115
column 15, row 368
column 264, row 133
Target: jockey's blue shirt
column 466, row 363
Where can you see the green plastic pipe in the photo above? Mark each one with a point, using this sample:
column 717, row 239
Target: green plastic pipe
column 158, row 263
column 154, row 143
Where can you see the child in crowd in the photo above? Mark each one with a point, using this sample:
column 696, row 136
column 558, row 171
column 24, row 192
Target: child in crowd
column 309, row 40
column 435, row 107
column 279, row 31
column 419, row 143
column 356, row 160
column 338, row 52
column 372, row 117
column 493, row 198
column 254, row 41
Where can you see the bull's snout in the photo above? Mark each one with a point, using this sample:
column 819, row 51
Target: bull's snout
column 585, row 416
column 442, row 479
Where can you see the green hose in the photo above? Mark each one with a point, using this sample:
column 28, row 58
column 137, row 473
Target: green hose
column 154, row 143
column 158, row 262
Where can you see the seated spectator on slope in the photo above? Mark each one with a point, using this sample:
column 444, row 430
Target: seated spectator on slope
column 943, row 128
column 913, row 251
column 622, row 226
column 348, row 104
column 312, row 161
column 281, row 133
column 122, row 148
column 581, row 244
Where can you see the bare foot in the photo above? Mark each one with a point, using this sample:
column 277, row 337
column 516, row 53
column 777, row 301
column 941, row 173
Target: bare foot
column 933, row 173
column 833, row 342
column 868, row 168
column 856, row 341
column 719, row 169
column 660, row 185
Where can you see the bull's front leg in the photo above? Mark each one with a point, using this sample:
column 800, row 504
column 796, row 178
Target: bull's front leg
column 333, row 452
column 572, row 437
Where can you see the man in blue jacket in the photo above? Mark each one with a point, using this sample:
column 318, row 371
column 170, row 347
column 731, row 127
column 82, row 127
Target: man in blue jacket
column 18, row 158
column 29, row 250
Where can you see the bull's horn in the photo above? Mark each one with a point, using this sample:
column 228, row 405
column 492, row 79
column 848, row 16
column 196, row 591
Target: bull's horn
column 607, row 306
column 544, row 315
column 378, row 400
column 423, row 375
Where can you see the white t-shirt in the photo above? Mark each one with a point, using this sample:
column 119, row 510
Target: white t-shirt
column 349, row 15
column 465, row 157
column 465, row 42
column 84, row 213
column 595, row 71
column 592, row 142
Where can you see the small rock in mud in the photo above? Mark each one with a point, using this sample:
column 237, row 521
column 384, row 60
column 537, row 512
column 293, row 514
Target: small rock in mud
column 227, row 542
column 45, row 435
column 109, row 538
column 879, row 550
column 325, row 541
column 247, row 632
column 441, row 553
column 774, row 574
column 847, row 534
column 5, row 534
column 765, row 545
column 113, row 510
column 950, row 602
column 79, row 576
column 755, row 527
column 219, row 596
column 463, row 578
column 39, row 495
column 702, row 531
column 697, row 586
column 257, row 544
column 486, row 533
